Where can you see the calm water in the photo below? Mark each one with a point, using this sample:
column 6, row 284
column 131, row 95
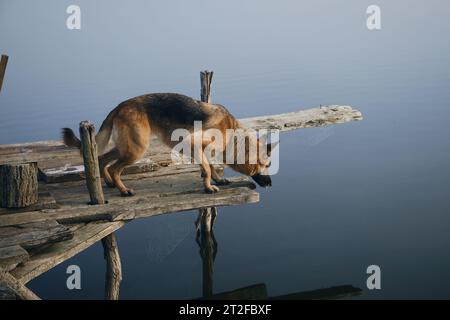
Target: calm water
column 347, row 196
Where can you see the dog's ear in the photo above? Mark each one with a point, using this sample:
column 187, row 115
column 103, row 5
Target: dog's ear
column 271, row 146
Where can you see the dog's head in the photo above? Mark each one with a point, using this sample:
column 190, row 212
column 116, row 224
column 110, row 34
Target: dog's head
column 257, row 170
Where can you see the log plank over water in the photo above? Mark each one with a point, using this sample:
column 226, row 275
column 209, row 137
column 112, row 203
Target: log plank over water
column 59, row 163
column 155, row 196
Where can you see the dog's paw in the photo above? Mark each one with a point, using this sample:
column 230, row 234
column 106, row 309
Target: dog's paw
column 223, row 182
column 128, row 193
column 212, row 189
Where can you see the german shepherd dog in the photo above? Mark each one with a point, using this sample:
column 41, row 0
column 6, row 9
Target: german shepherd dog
column 129, row 126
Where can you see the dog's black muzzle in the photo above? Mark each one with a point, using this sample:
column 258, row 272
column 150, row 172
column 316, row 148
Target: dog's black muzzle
column 262, row 180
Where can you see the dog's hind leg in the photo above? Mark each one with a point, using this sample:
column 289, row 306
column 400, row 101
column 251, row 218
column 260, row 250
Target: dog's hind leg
column 131, row 142
column 116, row 170
column 104, row 160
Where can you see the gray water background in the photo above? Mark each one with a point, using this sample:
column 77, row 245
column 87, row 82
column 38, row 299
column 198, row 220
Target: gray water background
column 346, row 196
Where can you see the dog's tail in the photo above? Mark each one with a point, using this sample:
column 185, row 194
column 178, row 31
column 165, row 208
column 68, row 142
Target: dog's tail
column 70, row 139
column 101, row 138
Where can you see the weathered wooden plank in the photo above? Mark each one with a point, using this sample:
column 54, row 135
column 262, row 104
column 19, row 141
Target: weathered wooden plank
column 165, row 181
column 53, row 154
column 76, row 173
column 56, row 253
column 184, row 192
column 33, row 234
column 11, row 256
column 309, row 118
column 58, row 153
column 186, row 202
column 45, row 201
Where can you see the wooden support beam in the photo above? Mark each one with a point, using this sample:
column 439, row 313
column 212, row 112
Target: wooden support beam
column 3, row 63
column 90, row 158
column 18, row 185
column 7, row 280
column 113, row 267
column 52, row 255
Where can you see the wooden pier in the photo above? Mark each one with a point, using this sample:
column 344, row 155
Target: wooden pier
column 62, row 223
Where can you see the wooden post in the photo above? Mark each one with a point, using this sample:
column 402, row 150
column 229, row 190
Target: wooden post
column 90, row 157
column 93, row 182
column 3, row 63
column 205, row 81
column 18, row 185
column 206, row 215
column 113, row 267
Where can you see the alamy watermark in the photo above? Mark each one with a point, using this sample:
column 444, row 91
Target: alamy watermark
column 373, row 21
column 74, row 279
column 374, row 280
column 73, row 21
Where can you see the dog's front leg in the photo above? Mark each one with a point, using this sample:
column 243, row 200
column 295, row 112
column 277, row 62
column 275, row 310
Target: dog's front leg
column 217, row 178
column 206, row 172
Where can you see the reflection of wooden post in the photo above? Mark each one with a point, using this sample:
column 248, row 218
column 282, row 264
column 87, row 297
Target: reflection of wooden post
column 90, row 157
column 206, row 216
column 3, row 63
column 208, row 249
column 113, row 267
column 18, row 185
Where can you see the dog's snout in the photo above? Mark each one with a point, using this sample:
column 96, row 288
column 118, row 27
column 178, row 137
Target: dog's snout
column 262, row 180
